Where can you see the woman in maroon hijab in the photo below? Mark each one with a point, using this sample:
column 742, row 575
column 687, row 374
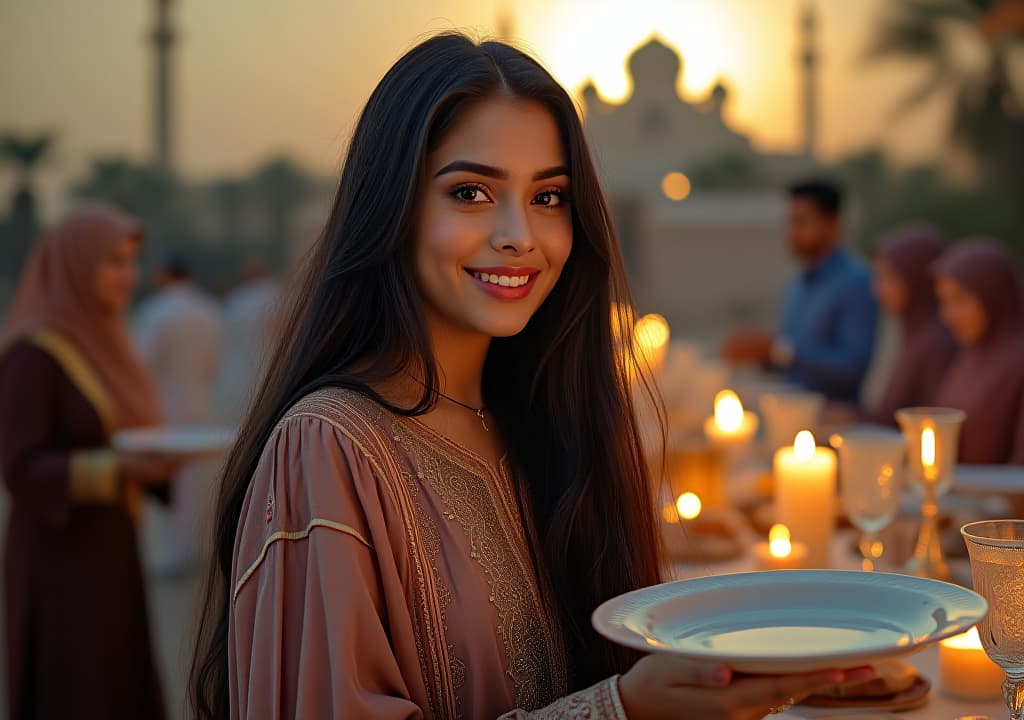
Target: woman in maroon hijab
column 77, row 635
column 980, row 293
column 904, row 288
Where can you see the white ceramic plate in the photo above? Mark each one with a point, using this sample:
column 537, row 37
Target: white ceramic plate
column 199, row 440
column 788, row 621
column 989, row 479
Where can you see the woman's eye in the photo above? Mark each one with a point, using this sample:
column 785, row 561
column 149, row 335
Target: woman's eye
column 471, row 194
column 550, row 198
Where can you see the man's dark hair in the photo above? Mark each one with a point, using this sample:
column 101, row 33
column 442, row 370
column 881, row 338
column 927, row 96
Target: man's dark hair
column 826, row 195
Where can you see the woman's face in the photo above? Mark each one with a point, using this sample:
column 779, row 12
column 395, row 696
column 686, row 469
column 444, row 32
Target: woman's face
column 118, row 274
column 962, row 311
column 889, row 288
column 494, row 225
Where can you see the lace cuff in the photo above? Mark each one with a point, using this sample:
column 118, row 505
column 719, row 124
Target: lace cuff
column 598, row 702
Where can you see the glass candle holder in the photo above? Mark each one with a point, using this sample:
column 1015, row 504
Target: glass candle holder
column 932, row 436
column 996, row 548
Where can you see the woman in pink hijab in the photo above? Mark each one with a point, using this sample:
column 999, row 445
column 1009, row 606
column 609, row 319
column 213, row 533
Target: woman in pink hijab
column 980, row 293
column 904, row 288
column 77, row 635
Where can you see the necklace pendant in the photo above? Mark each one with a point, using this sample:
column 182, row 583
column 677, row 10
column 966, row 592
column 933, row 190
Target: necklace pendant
column 483, row 420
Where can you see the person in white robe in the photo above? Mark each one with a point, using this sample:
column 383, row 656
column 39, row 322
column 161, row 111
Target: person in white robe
column 178, row 333
column 249, row 312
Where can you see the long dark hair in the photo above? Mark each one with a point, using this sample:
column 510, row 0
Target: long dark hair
column 558, row 390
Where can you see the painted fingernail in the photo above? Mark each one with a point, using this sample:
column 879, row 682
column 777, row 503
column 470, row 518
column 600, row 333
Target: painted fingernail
column 721, row 675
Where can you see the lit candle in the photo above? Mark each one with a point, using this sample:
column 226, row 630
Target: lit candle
column 780, row 553
column 805, row 492
column 928, row 453
column 966, row 671
column 731, row 426
column 650, row 342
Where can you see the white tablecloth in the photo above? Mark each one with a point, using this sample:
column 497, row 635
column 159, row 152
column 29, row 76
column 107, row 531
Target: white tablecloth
column 939, row 706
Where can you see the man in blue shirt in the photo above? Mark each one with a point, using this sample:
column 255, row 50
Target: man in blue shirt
column 829, row 316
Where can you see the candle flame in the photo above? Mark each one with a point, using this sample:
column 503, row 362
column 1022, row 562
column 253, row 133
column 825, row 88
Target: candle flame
column 969, row 640
column 928, row 447
column 728, row 411
column 651, row 332
column 804, row 446
column 779, row 544
column 689, row 505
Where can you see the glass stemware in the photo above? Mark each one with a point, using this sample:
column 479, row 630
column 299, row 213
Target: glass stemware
column 996, row 548
column 932, row 436
column 870, row 471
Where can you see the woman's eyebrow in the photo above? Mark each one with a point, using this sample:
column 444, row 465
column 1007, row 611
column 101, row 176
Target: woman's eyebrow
column 498, row 173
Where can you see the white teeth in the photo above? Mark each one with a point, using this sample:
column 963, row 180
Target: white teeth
column 502, row 280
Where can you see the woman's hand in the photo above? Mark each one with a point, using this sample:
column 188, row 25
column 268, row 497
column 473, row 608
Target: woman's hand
column 147, row 469
column 665, row 686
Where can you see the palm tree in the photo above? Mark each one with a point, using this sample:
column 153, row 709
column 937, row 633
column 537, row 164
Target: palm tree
column 987, row 111
column 27, row 154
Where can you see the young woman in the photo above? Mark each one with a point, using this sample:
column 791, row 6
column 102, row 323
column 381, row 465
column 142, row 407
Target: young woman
column 441, row 477
column 904, row 288
column 76, row 628
column 979, row 288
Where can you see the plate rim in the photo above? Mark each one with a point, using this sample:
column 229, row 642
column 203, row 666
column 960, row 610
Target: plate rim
column 621, row 635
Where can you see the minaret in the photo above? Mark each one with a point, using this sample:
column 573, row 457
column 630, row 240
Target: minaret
column 809, row 71
column 163, row 39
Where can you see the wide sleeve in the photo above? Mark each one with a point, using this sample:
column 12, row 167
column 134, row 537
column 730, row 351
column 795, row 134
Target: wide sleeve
column 317, row 606
column 44, row 477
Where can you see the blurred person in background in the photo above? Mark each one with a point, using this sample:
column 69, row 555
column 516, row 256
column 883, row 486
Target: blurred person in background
column 178, row 335
column 77, row 635
column 248, row 321
column 829, row 318
column 904, row 288
column 979, row 288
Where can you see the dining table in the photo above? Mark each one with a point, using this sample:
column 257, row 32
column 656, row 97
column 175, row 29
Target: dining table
column 939, row 706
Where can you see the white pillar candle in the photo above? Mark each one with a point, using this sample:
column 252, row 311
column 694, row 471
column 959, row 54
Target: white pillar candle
column 805, row 496
column 966, row 671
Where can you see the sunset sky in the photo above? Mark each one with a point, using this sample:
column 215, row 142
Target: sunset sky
column 256, row 77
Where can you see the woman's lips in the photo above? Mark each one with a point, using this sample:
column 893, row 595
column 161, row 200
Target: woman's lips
column 504, row 283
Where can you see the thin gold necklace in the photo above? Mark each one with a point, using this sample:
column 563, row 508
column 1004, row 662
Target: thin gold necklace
column 478, row 411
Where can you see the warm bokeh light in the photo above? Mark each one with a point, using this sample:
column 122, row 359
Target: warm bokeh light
column 676, row 186
column 779, row 544
column 804, row 446
column 728, row 411
column 670, row 514
column 689, row 505
column 622, row 319
column 969, row 640
column 928, row 448
column 651, row 332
